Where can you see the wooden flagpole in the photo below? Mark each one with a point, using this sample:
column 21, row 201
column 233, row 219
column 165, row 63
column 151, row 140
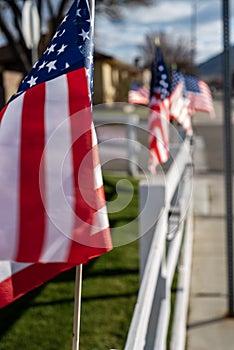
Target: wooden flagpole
column 78, row 280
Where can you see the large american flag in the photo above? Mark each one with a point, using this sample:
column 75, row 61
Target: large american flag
column 159, row 113
column 179, row 102
column 52, row 204
column 199, row 95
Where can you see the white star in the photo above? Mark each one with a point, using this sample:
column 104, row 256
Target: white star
column 65, row 18
column 78, row 12
column 85, row 35
column 62, row 49
column 64, row 30
column 32, row 81
column 42, row 65
column 90, row 58
column 18, row 93
column 56, row 34
column 67, row 66
column 51, row 49
column 51, row 65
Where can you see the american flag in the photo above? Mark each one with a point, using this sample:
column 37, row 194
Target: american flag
column 52, row 204
column 138, row 94
column 179, row 102
column 159, row 113
column 199, row 95
column 16, row 279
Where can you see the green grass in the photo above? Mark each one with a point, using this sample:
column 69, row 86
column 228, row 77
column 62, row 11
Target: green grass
column 43, row 319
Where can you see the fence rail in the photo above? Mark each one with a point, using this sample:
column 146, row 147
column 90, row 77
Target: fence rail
column 164, row 207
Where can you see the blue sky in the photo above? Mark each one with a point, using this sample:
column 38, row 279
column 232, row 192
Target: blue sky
column 121, row 38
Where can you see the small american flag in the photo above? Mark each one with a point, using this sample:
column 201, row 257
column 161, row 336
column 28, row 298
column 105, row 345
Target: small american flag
column 52, row 204
column 159, row 113
column 138, row 94
column 199, row 95
column 179, row 102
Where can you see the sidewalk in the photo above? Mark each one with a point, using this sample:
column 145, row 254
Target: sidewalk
column 208, row 326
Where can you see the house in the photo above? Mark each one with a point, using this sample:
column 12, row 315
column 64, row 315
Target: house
column 112, row 77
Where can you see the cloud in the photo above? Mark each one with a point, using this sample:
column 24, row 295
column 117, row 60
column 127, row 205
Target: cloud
column 176, row 17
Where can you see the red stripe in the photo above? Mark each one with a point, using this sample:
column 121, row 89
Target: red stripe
column 32, row 214
column 80, row 113
column 27, row 279
column 86, row 200
column 2, row 112
column 156, row 122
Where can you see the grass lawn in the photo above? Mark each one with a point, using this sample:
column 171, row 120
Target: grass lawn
column 43, row 319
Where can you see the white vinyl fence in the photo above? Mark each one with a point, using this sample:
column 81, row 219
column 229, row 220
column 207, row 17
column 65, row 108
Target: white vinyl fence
column 165, row 232
column 165, row 243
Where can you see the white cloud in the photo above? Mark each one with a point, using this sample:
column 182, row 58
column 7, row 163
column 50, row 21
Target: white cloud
column 161, row 13
column 121, row 39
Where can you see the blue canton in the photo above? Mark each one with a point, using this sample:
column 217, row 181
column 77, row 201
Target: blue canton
column 160, row 79
column 176, row 78
column 191, row 83
column 71, row 48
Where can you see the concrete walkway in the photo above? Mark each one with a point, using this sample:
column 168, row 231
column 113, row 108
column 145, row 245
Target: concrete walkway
column 209, row 328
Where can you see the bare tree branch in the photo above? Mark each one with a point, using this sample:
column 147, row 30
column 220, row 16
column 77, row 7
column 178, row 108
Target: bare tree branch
column 17, row 52
column 175, row 51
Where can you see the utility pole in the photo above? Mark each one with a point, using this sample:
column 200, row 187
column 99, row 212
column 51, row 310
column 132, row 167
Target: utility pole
column 193, row 34
column 228, row 152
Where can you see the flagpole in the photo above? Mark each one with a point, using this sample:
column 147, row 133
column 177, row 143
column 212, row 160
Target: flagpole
column 77, row 308
column 78, row 279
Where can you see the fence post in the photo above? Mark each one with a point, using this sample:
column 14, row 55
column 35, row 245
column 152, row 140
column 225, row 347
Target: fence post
column 152, row 202
column 132, row 122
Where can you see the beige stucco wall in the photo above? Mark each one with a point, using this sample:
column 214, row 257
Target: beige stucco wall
column 11, row 82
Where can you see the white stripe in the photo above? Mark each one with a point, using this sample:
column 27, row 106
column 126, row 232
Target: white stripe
column 58, row 172
column 9, row 268
column 5, row 270
column 10, row 133
column 161, row 146
column 98, row 177
column 100, row 221
column 94, row 135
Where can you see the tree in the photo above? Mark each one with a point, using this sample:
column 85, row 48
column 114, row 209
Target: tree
column 12, row 30
column 11, row 26
column 175, row 51
column 112, row 8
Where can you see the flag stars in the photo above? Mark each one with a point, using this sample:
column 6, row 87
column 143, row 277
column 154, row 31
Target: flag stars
column 78, row 12
column 84, row 34
column 65, row 18
column 42, row 65
column 90, row 58
column 62, row 49
column 51, row 66
column 51, row 49
column 56, row 34
column 63, row 32
column 32, row 81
